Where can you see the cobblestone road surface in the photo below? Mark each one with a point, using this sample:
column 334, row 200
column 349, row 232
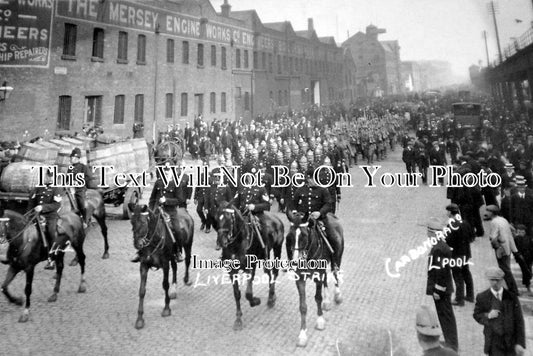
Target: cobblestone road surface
column 377, row 314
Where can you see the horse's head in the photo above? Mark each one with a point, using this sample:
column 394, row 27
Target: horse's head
column 298, row 238
column 140, row 220
column 227, row 216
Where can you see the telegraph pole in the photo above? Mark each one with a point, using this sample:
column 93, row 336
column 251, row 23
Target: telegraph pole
column 493, row 11
column 484, row 33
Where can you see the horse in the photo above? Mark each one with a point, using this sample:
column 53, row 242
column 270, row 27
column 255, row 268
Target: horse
column 155, row 247
column 238, row 240
column 27, row 248
column 94, row 207
column 305, row 248
column 168, row 152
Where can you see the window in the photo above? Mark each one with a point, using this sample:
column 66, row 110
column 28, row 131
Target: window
column 290, row 64
column 69, row 41
column 246, row 100
column 93, row 110
column 139, row 109
column 122, row 47
column 245, row 58
column 271, row 96
column 184, row 102
column 199, row 103
column 270, row 67
column 118, row 118
column 223, row 102
column 279, row 98
column 263, row 60
column 63, row 114
column 212, row 103
column 169, row 107
column 141, row 49
column 170, row 50
column 213, row 55
column 223, row 58
column 286, row 97
column 237, row 58
column 256, row 60
column 200, row 54
column 98, row 43
column 279, row 65
column 185, row 52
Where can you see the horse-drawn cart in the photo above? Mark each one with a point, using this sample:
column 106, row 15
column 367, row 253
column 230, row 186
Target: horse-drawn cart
column 128, row 157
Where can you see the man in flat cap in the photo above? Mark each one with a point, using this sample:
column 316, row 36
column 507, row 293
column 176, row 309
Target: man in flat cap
column 459, row 240
column 440, row 284
column 501, row 238
column 428, row 333
column 500, row 313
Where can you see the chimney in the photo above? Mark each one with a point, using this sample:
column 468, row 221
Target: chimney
column 310, row 26
column 226, row 8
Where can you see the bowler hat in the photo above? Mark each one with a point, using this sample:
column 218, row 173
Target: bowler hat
column 427, row 322
column 453, row 208
column 434, row 224
column 521, row 227
column 494, row 273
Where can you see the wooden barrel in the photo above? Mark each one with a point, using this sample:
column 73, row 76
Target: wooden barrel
column 142, row 158
column 129, row 164
column 19, row 177
column 45, row 153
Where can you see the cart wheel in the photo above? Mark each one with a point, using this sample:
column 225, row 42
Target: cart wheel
column 131, row 196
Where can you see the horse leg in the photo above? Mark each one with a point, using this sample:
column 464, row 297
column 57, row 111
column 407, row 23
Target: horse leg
column 272, row 277
column 187, row 249
column 254, row 301
column 139, row 324
column 10, row 276
column 302, row 337
column 174, row 266
column 326, row 304
column 27, row 290
column 338, row 295
column 166, row 309
column 320, row 321
column 237, row 325
column 59, row 273
column 81, row 257
column 100, row 218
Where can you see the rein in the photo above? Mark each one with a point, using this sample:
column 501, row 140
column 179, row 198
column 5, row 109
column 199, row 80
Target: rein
column 231, row 237
column 30, row 216
column 308, row 246
column 147, row 242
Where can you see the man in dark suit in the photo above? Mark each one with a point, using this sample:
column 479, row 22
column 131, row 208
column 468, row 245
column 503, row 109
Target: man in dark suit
column 500, row 313
column 459, row 240
column 409, row 158
column 440, row 284
column 437, row 156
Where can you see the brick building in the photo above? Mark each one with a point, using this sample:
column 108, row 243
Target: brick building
column 112, row 63
column 378, row 63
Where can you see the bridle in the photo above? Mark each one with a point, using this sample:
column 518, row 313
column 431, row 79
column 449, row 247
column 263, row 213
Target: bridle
column 146, row 241
column 296, row 247
column 229, row 232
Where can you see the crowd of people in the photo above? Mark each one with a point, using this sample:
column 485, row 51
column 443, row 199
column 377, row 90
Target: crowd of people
column 502, row 144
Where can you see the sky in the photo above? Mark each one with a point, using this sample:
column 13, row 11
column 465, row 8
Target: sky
column 448, row 30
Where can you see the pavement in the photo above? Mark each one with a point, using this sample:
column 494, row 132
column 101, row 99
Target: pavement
column 377, row 316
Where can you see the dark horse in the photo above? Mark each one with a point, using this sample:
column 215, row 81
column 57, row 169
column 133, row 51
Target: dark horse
column 239, row 240
column 154, row 243
column 306, row 249
column 27, row 248
column 94, row 207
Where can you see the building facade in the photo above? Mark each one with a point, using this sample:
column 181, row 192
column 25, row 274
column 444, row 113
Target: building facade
column 378, row 63
column 147, row 64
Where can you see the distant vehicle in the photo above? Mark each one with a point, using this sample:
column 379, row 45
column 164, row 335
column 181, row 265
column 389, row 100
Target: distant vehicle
column 467, row 115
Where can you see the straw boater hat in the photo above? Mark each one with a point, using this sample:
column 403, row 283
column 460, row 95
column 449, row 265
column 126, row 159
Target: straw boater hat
column 494, row 273
column 427, row 322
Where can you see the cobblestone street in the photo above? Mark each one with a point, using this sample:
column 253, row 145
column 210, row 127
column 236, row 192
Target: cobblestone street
column 377, row 314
